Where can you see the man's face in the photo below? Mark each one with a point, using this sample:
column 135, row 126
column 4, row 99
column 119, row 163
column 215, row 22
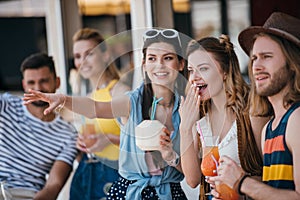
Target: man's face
column 42, row 80
column 269, row 68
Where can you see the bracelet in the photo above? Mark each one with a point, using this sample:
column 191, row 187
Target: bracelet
column 239, row 181
column 60, row 106
column 175, row 161
column 240, row 184
column 236, row 184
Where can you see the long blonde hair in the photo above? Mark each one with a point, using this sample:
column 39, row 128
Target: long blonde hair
column 236, row 99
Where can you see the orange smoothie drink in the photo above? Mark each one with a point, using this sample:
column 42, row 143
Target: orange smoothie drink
column 226, row 192
column 86, row 130
column 208, row 165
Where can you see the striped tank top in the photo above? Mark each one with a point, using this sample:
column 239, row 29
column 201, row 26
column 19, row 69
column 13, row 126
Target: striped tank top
column 278, row 160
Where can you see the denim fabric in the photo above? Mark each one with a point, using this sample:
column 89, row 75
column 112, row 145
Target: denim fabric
column 132, row 163
column 92, row 181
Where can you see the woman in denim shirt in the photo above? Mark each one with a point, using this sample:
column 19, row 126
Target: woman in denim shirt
column 144, row 174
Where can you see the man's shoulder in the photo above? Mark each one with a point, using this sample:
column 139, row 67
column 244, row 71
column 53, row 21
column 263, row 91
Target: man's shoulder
column 292, row 130
column 9, row 97
column 295, row 114
column 294, row 118
column 10, row 102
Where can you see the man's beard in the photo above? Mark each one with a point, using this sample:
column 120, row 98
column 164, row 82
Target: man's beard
column 279, row 80
column 40, row 104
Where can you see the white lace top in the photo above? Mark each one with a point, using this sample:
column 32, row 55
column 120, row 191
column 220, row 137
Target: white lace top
column 229, row 145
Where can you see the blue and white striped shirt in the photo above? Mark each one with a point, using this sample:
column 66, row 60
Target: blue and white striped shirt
column 29, row 146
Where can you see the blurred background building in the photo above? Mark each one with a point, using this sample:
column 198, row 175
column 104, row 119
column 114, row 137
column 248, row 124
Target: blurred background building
column 29, row 26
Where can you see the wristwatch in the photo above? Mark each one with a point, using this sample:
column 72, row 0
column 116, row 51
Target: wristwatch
column 175, row 161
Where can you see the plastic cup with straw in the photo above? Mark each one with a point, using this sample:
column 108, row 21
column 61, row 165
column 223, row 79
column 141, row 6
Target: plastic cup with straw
column 147, row 133
column 209, row 148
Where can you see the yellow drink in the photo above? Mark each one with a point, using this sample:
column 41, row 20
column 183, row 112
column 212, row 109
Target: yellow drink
column 86, row 130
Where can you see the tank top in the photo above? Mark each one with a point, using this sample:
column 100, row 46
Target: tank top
column 278, row 160
column 107, row 126
column 229, row 145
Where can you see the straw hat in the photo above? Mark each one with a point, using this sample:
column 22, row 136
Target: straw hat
column 279, row 24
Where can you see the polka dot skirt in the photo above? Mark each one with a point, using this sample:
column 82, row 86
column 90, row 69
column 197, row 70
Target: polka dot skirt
column 119, row 188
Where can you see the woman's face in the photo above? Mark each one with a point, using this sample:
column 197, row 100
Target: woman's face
column 88, row 58
column 205, row 73
column 162, row 64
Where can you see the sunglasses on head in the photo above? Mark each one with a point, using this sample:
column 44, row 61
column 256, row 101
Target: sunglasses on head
column 167, row 33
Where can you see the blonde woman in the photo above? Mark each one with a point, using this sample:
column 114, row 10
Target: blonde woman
column 93, row 178
column 218, row 85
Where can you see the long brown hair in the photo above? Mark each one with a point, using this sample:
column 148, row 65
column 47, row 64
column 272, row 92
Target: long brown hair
column 236, row 99
column 92, row 34
column 181, row 78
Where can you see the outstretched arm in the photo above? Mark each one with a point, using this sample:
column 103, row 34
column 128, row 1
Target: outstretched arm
column 118, row 107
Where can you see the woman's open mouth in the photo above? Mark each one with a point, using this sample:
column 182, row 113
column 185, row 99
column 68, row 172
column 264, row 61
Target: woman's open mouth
column 202, row 87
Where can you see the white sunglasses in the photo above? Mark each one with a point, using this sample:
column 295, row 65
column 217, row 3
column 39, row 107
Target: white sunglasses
column 167, row 33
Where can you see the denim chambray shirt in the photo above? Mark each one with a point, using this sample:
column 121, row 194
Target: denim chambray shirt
column 132, row 163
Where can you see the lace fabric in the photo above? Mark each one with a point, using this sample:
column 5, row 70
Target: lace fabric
column 229, row 144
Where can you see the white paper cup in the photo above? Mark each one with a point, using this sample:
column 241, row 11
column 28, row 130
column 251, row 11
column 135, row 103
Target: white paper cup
column 147, row 135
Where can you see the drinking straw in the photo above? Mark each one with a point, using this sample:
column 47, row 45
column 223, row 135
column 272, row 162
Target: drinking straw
column 215, row 160
column 200, row 133
column 154, row 104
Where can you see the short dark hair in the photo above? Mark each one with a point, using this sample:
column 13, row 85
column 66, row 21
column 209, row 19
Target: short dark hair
column 38, row 60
